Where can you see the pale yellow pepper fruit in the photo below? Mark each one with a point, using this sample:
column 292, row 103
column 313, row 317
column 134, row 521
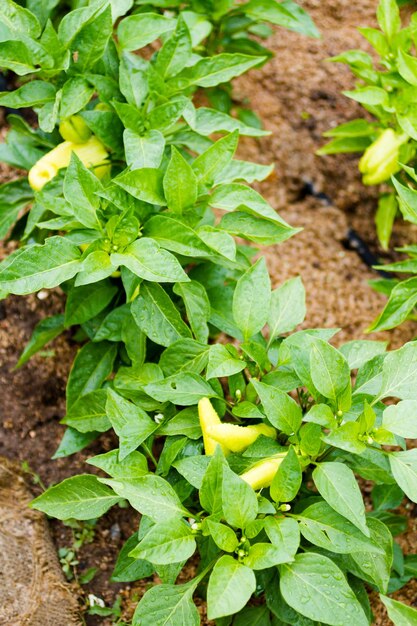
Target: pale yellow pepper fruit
column 262, row 474
column 75, row 129
column 208, row 417
column 380, row 160
column 91, row 153
column 238, row 438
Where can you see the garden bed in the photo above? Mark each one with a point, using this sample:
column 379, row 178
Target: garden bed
column 298, row 96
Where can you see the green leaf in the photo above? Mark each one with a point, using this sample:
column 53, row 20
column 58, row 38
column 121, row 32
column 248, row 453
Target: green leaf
column 281, row 410
column 184, row 389
column 14, row 196
column 84, row 303
column 211, row 489
column 329, row 370
column 369, row 96
column 17, row 19
column 264, row 556
column 401, row 302
column 207, row 166
column 197, row 306
column 131, row 424
column 165, row 543
column 96, row 267
column 239, row 501
column 157, row 316
column 388, row 15
column 399, row 374
column 371, row 566
column 167, row 605
column 128, row 569
column 16, row 56
column 81, row 497
column 260, row 231
column 91, row 39
column 88, row 413
column 238, row 196
column 176, row 51
column 222, row 363
column 359, row 351
column 193, row 468
column 323, row 527
column 38, row 267
column 145, row 150
column 404, row 468
column 145, row 258
column 315, row 587
column 251, row 299
column 407, row 197
column 137, row 31
column 400, row 614
column 401, row 419
column 211, row 71
column 384, row 218
column 133, row 466
column 31, row 94
column 150, row 495
column 288, row 307
column 287, row 481
column 180, row 183
column 385, row 497
column 337, row 484
column 185, row 355
column 92, row 365
column 222, row 535
column 144, row 184
column 44, row 332
column 230, row 587
column 287, row 14
column 76, row 94
column 73, row 441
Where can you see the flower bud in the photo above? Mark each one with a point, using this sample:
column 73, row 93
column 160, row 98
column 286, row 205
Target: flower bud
column 380, row 160
column 74, row 129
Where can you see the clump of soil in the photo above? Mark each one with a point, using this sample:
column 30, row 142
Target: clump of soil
column 298, row 95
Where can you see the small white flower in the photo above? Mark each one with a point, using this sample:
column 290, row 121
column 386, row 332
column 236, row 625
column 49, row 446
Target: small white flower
column 95, row 601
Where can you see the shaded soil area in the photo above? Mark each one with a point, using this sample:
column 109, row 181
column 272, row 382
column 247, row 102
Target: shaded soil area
column 298, row 95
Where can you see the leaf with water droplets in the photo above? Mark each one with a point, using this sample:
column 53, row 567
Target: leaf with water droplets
column 314, row 586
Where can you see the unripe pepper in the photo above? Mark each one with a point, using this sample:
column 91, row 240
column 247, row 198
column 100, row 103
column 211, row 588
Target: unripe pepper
column 238, row 438
column 380, row 160
column 262, row 474
column 92, row 153
column 208, row 417
column 74, row 129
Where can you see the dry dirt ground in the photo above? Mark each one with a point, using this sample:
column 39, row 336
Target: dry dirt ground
column 298, row 95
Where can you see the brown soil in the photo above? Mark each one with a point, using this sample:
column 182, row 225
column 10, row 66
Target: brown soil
column 298, row 95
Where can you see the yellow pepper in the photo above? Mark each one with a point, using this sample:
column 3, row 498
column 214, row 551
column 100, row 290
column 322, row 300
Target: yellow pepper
column 92, row 153
column 262, row 474
column 238, row 438
column 74, row 129
column 208, row 417
column 380, row 160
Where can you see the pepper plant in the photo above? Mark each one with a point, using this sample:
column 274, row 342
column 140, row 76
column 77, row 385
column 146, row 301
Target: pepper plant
column 121, row 212
column 387, row 90
column 245, row 452
column 248, row 454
